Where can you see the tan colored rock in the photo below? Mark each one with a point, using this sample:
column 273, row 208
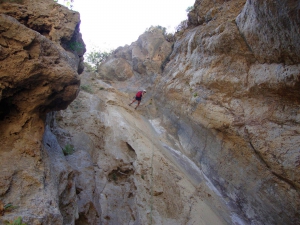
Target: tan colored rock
column 115, row 69
column 120, row 167
column 243, row 112
column 48, row 18
column 215, row 141
column 147, row 56
column 150, row 51
column 53, row 21
column 37, row 75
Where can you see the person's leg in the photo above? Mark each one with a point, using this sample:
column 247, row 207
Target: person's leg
column 132, row 101
column 138, row 104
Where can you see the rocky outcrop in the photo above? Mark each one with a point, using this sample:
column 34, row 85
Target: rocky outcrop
column 39, row 73
column 122, row 72
column 229, row 93
column 143, row 58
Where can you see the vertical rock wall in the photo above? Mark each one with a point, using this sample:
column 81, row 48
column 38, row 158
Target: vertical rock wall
column 230, row 93
column 234, row 74
column 120, row 173
column 38, row 73
column 225, row 95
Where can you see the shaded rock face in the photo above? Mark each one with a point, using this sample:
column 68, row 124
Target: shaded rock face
column 229, row 93
column 39, row 73
column 272, row 30
column 241, row 91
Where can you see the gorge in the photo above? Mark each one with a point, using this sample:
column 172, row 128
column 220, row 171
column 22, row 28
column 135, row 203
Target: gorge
column 216, row 139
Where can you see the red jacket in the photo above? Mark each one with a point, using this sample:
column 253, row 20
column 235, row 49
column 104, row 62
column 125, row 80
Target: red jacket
column 139, row 94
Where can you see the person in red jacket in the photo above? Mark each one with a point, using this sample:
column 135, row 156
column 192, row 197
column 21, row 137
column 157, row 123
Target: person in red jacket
column 138, row 97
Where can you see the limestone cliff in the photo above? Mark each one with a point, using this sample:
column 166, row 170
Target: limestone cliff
column 215, row 141
column 39, row 73
column 230, row 94
column 229, row 76
column 120, row 171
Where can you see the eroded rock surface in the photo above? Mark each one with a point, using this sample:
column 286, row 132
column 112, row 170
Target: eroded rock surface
column 122, row 173
column 143, row 58
column 215, row 141
column 272, row 30
column 229, row 93
column 39, row 73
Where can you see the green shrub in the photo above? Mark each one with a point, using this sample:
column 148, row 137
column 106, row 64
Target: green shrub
column 9, row 207
column 86, row 88
column 114, row 177
column 96, row 57
column 17, row 221
column 6, row 208
column 68, row 149
column 75, row 46
column 195, row 95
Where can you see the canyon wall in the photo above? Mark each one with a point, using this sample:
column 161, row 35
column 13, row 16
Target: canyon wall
column 229, row 92
column 234, row 74
column 215, row 140
column 41, row 57
column 118, row 172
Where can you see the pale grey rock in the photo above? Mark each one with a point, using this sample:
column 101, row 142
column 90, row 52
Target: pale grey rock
column 272, row 30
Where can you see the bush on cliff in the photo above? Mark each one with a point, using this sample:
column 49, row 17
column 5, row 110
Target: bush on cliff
column 95, row 57
column 68, row 149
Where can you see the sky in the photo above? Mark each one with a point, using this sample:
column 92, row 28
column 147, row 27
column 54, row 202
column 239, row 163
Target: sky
column 108, row 24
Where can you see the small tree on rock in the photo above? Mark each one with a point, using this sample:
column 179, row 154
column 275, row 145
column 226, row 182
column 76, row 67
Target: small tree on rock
column 96, row 57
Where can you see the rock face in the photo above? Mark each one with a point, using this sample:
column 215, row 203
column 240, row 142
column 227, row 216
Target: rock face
column 120, row 173
column 39, row 73
column 230, row 94
column 215, row 141
column 144, row 57
column 272, row 30
column 244, row 96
